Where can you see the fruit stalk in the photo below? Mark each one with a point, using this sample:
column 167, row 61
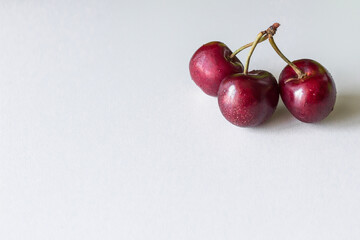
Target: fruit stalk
column 264, row 38
column 257, row 40
column 299, row 73
column 270, row 31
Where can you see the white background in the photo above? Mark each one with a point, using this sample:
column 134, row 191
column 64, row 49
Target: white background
column 103, row 135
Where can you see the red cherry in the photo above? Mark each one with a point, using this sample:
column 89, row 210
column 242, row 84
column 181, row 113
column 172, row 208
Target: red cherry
column 210, row 64
column 310, row 98
column 247, row 100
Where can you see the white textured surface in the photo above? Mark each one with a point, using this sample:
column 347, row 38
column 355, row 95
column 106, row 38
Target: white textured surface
column 104, row 136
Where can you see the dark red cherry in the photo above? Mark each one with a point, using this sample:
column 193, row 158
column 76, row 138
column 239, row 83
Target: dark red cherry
column 311, row 98
column 210, row 64
column 247, row 100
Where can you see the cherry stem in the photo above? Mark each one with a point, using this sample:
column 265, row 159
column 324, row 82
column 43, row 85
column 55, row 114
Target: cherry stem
column 257, row 40
column 264, row 38
column 300, row 73
column 270, row 31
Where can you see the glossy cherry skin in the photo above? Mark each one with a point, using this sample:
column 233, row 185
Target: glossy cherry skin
column 248, row 100
column 312, row 98
column 210, row 64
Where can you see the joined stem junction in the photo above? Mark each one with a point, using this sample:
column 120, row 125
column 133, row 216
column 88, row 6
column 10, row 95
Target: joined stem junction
column 270, row 31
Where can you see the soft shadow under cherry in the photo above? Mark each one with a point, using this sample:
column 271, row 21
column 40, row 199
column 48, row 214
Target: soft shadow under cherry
column 346, row 111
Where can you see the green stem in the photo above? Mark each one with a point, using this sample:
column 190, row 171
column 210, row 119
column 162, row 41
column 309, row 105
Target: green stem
column 270, row 31
column 264, row 38
column 257, row 40
column 300, row 73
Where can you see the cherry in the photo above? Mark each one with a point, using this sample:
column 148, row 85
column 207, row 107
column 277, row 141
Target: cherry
column 210, row 64
column 306, row 88
column 248, row 99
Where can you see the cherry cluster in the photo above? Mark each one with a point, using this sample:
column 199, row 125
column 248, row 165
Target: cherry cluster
column 249, row 98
